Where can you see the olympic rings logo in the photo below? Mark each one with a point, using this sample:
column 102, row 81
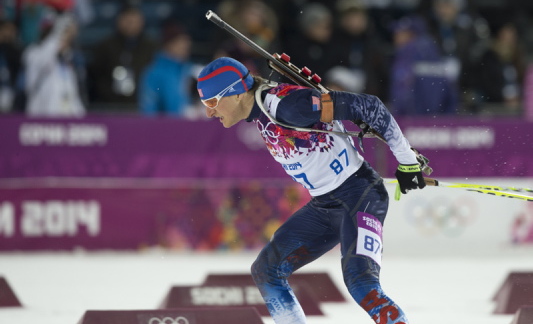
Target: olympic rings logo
column 442, row 216
column 168, row 320
column 267, row 134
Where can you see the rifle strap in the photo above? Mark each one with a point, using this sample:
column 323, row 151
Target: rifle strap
column 326, row 115
column 259, row 101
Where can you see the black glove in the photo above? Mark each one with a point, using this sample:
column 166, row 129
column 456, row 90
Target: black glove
column 409, row 177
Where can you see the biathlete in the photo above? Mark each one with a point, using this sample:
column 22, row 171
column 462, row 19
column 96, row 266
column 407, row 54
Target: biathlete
column 349, row 200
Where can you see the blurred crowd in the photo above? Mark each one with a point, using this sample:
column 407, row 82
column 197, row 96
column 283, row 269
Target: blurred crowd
column 69, row 58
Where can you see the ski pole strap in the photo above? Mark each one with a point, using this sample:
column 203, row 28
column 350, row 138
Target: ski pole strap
column 326, row 115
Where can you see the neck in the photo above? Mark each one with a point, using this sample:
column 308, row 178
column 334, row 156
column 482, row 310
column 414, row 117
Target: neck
column 247, row 102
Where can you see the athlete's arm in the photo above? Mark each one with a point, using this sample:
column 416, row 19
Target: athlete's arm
column 299, row 109
column 370, row 109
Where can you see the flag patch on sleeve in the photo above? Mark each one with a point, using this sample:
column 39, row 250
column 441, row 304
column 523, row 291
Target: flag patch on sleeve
column 316, row 103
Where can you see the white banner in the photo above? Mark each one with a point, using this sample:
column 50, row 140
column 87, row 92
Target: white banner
column 456, row 221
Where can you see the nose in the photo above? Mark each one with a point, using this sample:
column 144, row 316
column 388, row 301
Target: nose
column 209, row 112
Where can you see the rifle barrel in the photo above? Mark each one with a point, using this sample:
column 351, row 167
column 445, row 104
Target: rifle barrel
column 213, row 17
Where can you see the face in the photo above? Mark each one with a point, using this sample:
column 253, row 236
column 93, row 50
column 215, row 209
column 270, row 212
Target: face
column 69, row 35
column 507, row 35
column 320, row 31
column 229, row 111
column 130, row 23
column 180, row 47
column 402, row 37
column 446, row 11
column 355, row 22
column 8, row 32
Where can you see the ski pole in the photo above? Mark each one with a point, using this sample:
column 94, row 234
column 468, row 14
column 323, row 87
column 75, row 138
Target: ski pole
column 498, row 191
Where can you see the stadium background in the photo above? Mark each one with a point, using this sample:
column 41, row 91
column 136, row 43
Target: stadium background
column 127, row 183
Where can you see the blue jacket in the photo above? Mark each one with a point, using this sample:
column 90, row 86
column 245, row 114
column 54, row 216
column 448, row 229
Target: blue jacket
column 164, row 86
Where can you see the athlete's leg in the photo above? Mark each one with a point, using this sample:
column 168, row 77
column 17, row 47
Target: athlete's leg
column 361, row 247
column 361, row 275
column 304, row 237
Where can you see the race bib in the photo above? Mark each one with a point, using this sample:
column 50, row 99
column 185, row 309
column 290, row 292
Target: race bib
column 369, row 236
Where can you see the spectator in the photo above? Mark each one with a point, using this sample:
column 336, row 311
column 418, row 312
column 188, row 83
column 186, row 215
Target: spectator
column 313, row 46
column 257, row 21
column 54, row 71
column 420, row 84
column 363, row 53
column 84, row 11
column 462, row 36
column 500, row 73
column 118, row 61
column 165, row 85
column 10, row 65
column 28, row 14
column 286, row 13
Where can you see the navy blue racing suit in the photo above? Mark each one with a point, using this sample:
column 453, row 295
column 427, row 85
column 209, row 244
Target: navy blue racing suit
column 349, row 200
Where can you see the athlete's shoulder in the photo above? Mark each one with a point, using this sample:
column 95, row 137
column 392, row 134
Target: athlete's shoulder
column 297, row 105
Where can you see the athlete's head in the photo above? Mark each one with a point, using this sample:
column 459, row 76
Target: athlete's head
column 221, row 78
column 224, row 77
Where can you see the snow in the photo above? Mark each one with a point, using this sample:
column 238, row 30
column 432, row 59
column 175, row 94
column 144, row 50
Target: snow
column 58, row 287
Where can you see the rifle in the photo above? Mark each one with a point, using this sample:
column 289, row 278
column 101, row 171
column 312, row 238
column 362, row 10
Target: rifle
column 304, row 77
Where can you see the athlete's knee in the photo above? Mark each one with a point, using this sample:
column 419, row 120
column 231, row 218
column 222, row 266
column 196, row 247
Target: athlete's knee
column 265, row 269
column 361, row 275
column 258, row 269
column 270, row 268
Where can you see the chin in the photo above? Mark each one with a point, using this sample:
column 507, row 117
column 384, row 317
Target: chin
column 228, row 125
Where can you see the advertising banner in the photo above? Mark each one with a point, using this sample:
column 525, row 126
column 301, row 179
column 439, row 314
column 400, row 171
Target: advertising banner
column 444, row 221
column 133, row 147
column 131, row 182
column 224, row 215
column 130, row 215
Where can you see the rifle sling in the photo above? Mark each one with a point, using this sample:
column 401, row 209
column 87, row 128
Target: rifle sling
column 326, row 115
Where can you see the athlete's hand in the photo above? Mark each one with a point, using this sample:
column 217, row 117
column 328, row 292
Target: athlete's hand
column 409, row 177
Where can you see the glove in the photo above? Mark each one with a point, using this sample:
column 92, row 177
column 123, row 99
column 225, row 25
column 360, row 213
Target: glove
column 409, row 177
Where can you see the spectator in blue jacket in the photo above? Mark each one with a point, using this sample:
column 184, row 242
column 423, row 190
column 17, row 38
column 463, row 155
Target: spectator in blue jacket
column 166, row 82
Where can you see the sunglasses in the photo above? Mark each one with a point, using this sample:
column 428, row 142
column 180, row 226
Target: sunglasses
column 213, row 102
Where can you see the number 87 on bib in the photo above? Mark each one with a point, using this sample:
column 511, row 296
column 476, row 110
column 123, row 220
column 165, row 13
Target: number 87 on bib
column 369, row 236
